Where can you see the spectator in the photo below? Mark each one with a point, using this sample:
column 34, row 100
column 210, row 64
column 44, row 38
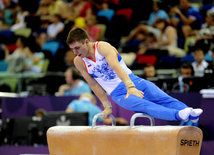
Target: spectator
column 72, row 15
column 20, row 18
column 74, row 85
column 43, row 8
column 157, row 13
column 69, row 58
column 97, row 4
column 71, row 21
column 149, row 41
column 186, row 69
column 199, row 64
column 52, row 31
column 56, row 27
column 206, row 33
column 8, row 15
column 149, row 71
column 87, row 102
column 139, row 31
column 83, row 8
column 16, row 60
column 58, row 7
column 44, row 13
column 35, row 60
column 166, row 43
column 40, row 113
column 93, row 30
column 187, row 18
column 106, row 12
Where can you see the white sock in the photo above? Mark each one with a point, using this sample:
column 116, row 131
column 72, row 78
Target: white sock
column 194, row 115
column 184, row 114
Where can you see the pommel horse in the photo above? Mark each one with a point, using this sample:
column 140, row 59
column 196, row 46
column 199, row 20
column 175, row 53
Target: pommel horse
column 124, row 140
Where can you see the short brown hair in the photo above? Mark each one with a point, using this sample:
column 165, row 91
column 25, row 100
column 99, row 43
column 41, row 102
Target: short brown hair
column 77, row 34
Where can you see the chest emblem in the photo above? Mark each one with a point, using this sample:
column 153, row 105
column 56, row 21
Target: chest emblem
column 103, row 71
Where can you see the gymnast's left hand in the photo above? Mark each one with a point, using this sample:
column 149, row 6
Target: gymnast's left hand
column 134, row 91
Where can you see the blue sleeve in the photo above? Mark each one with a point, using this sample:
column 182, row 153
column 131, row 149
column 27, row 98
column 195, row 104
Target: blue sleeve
column 85, row 89
column 66, row 93
column 73, row 105
column 163, row 15
column 196, row 13
column 150, row 22
column 177, row 17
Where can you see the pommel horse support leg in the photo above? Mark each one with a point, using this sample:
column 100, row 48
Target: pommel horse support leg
column 124, row 140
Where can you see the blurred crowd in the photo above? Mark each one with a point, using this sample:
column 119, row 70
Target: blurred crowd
column 149, row 35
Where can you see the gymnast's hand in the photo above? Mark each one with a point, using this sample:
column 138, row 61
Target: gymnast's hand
column 107, row 111
column 134, row 91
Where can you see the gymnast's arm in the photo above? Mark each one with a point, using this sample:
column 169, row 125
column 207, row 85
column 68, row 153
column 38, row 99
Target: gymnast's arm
column 95, row 87
column 110, row 53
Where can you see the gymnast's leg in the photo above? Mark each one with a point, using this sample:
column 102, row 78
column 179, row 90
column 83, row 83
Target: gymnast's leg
column 154, row 94
column 137, row 104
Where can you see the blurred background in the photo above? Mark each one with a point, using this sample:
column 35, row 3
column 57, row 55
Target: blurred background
column 167, row 42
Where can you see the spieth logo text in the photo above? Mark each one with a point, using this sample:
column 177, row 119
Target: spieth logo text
column 185, row 142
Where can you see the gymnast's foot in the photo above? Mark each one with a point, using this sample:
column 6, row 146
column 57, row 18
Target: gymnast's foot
column 194, row 115
column 185, row 113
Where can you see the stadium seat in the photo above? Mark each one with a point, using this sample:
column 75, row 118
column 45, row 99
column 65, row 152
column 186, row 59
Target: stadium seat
column 51, row 46
column 3, row 66
column 127, row 12
column 45, row 66
column 12, row 82
column 188, row 58
column 26, row 32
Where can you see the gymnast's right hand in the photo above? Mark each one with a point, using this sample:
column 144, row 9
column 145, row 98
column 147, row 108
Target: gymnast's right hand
column 134, row 91
column 107, row 111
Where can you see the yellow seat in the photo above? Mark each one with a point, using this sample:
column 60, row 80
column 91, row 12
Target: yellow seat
column 26, row 32
column 188, row 40
column 197, row 5
column 45, row 66
column 11, row 81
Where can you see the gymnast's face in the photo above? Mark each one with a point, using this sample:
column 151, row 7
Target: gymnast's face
column 80, row 49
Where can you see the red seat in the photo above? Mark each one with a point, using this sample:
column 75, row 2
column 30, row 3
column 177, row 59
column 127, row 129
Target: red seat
column 147, row 59
column 12, row 47
column 125, row 12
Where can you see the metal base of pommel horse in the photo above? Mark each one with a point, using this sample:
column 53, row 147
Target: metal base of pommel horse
column 124, row 140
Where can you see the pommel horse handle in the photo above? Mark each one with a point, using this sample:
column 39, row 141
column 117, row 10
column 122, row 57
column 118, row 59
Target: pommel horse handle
column 102, row 115
column 152, row 121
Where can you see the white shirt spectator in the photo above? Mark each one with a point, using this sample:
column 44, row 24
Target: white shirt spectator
column 199, row 70
column 21, row 19
column 53, row 29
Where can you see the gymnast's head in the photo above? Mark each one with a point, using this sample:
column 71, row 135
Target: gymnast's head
column 77, row 34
